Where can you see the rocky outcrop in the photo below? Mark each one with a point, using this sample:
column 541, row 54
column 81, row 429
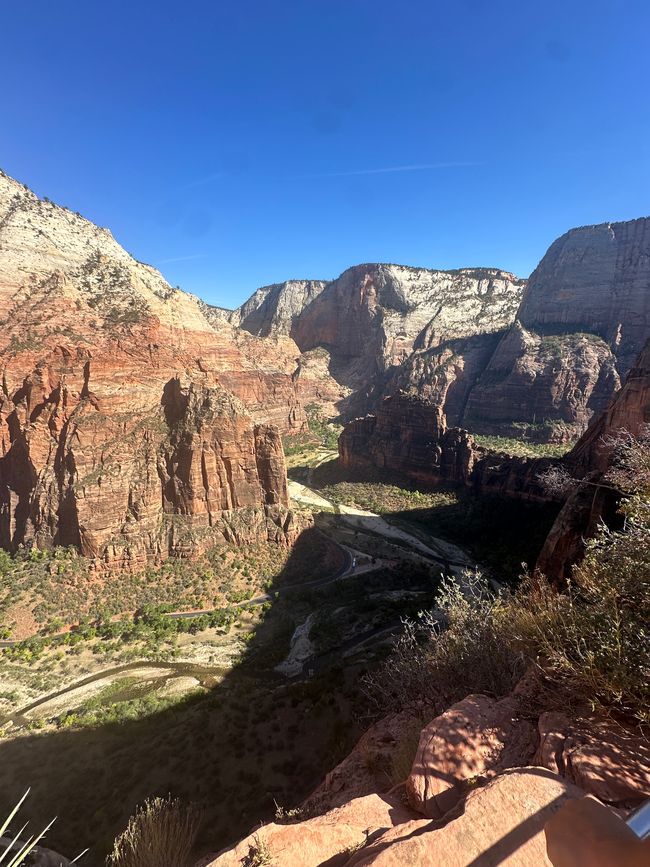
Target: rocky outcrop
column 602, row 758
column 274, row 310
column 369, row 767
column 328, row 839
column 591, row 501
column 475, row 739
column 584, row 318
column 486, row 777
column 595, row 279
column 502, row 823
column 546, row 388
column 407, row 436
column 130, row 425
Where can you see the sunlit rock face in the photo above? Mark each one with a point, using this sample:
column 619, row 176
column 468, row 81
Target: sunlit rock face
column 371, row 319
column 498, row 354
column 130, row 424
column 584, row 318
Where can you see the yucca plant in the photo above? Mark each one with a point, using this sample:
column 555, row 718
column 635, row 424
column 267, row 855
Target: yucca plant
column 15, row 851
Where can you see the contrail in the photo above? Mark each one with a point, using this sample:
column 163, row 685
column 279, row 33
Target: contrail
column 390, row 169
column 199, row 182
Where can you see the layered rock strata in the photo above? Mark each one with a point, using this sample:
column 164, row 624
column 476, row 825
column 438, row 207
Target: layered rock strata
column 462, row 341
column 130, row 425
column 372, row 318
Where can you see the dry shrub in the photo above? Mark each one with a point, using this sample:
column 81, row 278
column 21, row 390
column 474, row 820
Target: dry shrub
column 259, row 854
column 461, row 647
column 592, row 641
column 161, row 833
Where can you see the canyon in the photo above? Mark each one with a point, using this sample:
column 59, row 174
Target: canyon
column 131, row 426
column 146, row 439
column 499, row 355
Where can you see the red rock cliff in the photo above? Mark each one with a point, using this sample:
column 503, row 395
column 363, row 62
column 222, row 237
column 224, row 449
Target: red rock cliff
column 130, row 425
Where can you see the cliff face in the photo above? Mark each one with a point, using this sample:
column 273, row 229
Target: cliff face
column 595, row 279
column 589, row 460
column 584, row 318
column 461, row 340
column 371, row 318
column 272, row 310
column 129, row 424
column 409, row 437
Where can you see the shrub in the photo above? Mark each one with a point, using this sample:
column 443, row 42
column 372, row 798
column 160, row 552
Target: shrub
column 461, row 647
column 161, row 833
column 595, row 637
column 259, row 854
column 592, row 641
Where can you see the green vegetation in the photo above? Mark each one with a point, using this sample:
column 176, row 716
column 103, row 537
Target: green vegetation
column 56, row 587
column 591, row 641
column 320, row 434
column 161, row 833
column 499, row 532
column 109, row 707
column 384, row 498
column 521, row 448
column 326, row 432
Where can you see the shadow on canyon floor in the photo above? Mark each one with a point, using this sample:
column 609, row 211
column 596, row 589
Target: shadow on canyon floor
column 252, row 742
column 503, row 533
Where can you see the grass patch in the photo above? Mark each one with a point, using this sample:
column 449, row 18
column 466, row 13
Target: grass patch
column 520, row 448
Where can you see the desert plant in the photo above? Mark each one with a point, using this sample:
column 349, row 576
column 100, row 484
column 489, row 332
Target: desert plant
column 161, row 833
column 259, row 854
column 460, row 647
column 16, row 850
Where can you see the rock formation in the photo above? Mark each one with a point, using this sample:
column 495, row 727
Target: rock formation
column 371, row 318
column 486, row 777
column 591, row 501
column 461, row 340
column 410, row 437
column 584, row 318
column 130, row 424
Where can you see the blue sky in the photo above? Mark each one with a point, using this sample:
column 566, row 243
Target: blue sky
column 238, row 144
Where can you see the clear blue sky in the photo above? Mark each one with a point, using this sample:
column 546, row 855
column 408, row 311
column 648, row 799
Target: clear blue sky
column 234, row 144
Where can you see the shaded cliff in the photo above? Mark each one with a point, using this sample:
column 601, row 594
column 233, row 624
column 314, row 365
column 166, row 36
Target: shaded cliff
column 130, row 425
column 594, row 500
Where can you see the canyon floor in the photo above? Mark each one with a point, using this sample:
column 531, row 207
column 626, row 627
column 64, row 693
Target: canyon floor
column 243, row 718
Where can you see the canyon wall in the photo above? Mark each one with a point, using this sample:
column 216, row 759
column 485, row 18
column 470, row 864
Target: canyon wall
column 499, row 355
column 593, row 500
column 369, row 321
column 131, row 425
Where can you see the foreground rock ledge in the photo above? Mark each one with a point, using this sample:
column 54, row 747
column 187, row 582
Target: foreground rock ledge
column 502, row 823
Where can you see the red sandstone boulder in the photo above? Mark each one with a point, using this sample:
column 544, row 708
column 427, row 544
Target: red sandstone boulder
column 328, row 839
column 370, row 765
column 476, row 737
column 605, row 760
column 502, row 823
